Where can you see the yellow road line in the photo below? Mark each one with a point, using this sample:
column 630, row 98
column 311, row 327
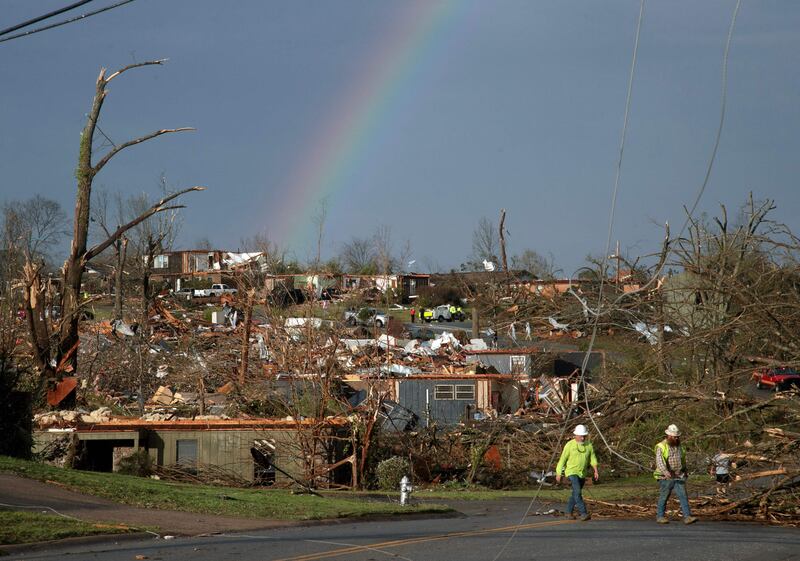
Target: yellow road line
column 423, row 539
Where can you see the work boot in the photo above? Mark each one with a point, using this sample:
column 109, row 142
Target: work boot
column 690, row 520
column 586, row 517
column 662, row 520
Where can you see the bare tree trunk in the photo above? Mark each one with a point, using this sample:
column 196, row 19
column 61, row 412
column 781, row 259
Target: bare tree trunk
column 201, row 392
column 66, row 350
column 140, row 381
column 662, row 366
column 122, row 247
column 503, row 240
column 34, row 297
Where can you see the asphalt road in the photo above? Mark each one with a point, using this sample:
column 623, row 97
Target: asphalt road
column 483, row 531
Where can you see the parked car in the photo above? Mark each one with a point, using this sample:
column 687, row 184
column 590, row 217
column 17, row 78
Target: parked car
column 215, row 290
column 778, row 378
column 442, row 313
column 184, row 293
column 365, row 316
column 439, row 313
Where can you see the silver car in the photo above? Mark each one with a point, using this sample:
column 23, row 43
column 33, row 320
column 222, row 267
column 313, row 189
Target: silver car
column 365, row 316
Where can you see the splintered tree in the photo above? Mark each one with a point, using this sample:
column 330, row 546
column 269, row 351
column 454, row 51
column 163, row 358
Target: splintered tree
column 62, row 354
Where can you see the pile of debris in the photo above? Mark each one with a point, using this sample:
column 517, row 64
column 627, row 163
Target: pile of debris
column 67, row 419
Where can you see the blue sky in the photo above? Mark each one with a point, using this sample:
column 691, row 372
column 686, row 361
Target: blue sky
column 512, row 104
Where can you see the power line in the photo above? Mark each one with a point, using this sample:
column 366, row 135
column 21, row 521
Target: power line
column 43, row 17
column 584, row 364
column 615, row 190
column 66, row 21
column 723, row 106
column 701, row 190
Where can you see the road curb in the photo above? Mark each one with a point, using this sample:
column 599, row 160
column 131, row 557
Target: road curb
column 110, row 538
column 78, row 540
column 453, row 513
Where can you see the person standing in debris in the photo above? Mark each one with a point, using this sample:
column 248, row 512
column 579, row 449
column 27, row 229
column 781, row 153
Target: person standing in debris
column 671, row 474
column 720, row 468
column 576, row 458
column 493, row 335
column 528, row 330
column 512, row 332
column 412, row 315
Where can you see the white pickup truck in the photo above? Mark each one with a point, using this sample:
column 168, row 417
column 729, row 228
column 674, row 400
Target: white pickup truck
column 215, row 290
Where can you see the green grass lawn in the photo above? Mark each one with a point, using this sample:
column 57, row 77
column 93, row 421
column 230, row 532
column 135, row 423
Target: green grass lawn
column 27, row 527
column 278, row 504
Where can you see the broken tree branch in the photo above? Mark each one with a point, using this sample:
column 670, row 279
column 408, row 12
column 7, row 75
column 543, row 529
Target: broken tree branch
column 158, row 62
column 156, row 208
column 117, row 149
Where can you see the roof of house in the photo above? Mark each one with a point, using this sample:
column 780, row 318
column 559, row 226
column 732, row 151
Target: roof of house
column 443, row 376
column 133, row 424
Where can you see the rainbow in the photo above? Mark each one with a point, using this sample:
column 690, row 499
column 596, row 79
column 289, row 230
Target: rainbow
column 335, row 148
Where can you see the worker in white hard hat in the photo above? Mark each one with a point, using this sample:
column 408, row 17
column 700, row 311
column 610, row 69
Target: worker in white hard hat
column 671, row 474
column 577, row 456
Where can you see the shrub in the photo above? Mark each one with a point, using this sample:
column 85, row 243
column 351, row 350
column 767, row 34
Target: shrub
column 139, row 463
column 391, row 471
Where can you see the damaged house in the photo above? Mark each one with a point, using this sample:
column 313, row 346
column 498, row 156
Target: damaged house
column 550, row 377
column 207, row 265
column 223, row 445
column 450, row 399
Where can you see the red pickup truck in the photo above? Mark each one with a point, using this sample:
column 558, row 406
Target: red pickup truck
column 778, row 378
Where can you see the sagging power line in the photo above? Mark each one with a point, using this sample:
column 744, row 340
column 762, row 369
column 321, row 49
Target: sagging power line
column 57, row 24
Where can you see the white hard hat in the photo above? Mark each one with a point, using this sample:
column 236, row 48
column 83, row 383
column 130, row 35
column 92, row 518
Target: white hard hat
column 580, row 430
column 672, row 430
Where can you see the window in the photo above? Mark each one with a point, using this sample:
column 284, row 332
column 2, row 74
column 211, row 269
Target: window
column 201, row 263
column 448, row 392
column 465, row 392
column 187, row 455
column 518, row 364
column 161, row 262
column 443, row 392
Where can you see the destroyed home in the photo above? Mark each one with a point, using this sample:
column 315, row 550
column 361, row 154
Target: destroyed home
column 406, row 285
column 184, row 267
column 549, row 378
column 550, row 288
column 193, row 446
column 532, row 362
column 447, row 399
column 477, row 280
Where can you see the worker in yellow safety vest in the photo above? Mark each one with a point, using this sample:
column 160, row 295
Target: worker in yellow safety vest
column 576, row 459
column 671, row 474
column 427, row 314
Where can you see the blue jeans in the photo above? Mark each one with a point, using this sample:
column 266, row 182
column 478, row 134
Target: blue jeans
column 666, row 487
column 576, row 499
